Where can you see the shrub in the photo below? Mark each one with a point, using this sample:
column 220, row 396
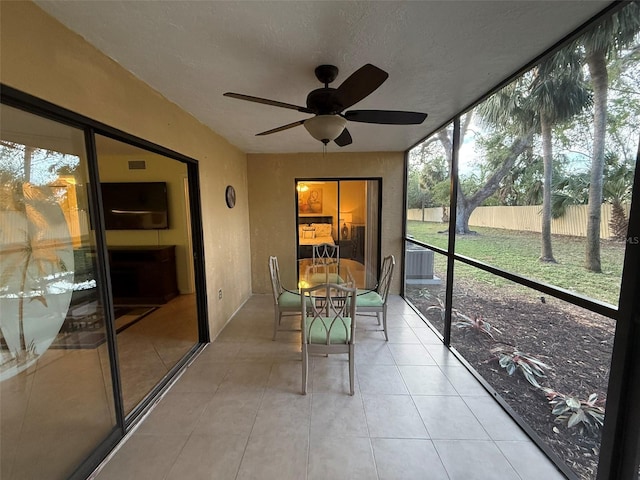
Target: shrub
column 476, row 325
column 440, row 306
column 513, row 360
column 573, row 411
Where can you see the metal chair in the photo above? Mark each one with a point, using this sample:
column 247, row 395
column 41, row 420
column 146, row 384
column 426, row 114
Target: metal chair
column 324, row 264
column 328, row 326
column 325, row 253
column 375, row 301
column 285, row 303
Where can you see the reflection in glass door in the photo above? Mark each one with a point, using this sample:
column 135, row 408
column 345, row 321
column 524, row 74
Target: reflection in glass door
column 55, row 382
column 145, row 207
column 346, row 213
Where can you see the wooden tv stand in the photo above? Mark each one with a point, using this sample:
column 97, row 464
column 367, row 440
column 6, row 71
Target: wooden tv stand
column 143, row 275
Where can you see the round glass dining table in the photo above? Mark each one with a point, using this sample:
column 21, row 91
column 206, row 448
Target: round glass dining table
column 341, row 272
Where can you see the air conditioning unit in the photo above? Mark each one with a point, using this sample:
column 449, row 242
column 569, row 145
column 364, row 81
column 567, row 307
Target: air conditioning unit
column 418, row 264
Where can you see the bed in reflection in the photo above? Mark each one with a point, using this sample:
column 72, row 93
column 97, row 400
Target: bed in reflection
column 314, row 230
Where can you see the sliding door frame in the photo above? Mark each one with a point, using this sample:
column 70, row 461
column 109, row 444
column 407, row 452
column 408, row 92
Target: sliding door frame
column 124, row 424
column 379, row 180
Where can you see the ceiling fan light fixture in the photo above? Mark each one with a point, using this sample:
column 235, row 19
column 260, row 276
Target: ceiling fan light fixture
column 325, row 128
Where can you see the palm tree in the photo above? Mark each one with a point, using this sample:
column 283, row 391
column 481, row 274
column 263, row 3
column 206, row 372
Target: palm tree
column 617, row 190
column 617, row 186
column 572, row 189
column 557, row 93
column 553, row 92
column 605, row 40
column 40, row 259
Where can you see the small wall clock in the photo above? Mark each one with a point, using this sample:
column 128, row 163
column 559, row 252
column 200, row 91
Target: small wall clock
column 230, row 196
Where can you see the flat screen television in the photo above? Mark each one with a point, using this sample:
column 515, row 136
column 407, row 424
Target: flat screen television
column 135, row 206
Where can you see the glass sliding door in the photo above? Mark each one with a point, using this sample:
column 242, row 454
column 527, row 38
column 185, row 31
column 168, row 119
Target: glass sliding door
column 359, row 214
column 318, row 220
column 345, row 213
column 57, row 401
column 371, row 233
column 146, row 209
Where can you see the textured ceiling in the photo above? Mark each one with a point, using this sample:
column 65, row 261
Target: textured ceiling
column 440, row 55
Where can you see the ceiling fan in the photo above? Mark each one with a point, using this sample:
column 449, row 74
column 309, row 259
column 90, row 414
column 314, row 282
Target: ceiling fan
column 328, row 105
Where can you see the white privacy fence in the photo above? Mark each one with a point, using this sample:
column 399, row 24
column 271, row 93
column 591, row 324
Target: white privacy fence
column 526, row 218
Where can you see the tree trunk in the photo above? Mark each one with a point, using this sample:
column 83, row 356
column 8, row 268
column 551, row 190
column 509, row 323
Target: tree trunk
column 466, row 206
column 28, row 155
column 599, row 79
column 22, row 354
column 463, row 212
column 547, row 159
column 619, row 222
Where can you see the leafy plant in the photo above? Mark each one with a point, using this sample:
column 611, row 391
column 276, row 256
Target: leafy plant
column 477, row 325
column 440, row 307
column 530, row 366
column 573, row 411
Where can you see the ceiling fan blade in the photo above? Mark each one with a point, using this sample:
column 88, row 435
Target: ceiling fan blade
column 344, row 139
column 360, row 84
column 266, row 101
column 386, row 117
column 279, row 129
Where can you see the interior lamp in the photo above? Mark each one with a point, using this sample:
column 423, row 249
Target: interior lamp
column 325, row 127
column 346, row 218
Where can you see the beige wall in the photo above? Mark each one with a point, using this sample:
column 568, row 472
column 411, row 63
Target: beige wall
column 41, row 57
column 353, row 199
column 273, row 208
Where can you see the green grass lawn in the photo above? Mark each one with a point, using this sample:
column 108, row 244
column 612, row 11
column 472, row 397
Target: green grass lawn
column 518, row 252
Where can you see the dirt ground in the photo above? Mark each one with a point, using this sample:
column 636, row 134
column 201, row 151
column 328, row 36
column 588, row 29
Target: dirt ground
column 575, row 343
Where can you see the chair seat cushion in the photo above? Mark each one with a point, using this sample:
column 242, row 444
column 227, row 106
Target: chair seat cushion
column 339, row 330
column 316, row 278
column 369, row 299
column 289, row 299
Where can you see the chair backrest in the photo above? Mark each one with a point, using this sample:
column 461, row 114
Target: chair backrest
column 324, row 253
column 274, row 271
column 386, row 274
column 331, row 316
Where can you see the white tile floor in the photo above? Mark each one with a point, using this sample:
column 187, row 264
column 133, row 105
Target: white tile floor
column 237, row 413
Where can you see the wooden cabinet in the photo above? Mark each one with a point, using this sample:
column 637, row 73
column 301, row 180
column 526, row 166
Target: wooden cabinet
column 143, row 275
column 305, row 251
column 346, row 248
column 357, row 236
